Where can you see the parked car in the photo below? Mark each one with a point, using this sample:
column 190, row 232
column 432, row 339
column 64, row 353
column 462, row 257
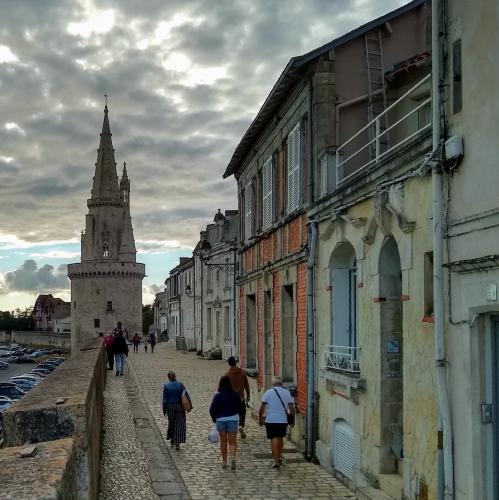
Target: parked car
column 40, row 373
column 5, row 403
column 24, row 359
column 31, row 376
column 37, row 354
column 58, row 360
column 46, row 366
column 3, row 365
column 24, row 384
column 11, row 390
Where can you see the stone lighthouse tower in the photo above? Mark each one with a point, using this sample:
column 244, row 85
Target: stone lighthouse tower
column 106, row 287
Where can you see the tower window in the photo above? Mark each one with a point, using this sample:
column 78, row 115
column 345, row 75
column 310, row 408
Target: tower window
column 105, row 252
column 74, row 304
column 96, row 323
column 109, row 306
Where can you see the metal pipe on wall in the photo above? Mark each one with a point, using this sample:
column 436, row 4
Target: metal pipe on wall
column 445, row 426
column 310, row 434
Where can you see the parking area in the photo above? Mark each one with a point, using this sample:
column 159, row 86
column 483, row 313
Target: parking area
column 13, row 370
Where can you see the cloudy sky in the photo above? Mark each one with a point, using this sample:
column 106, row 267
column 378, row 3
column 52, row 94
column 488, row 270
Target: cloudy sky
column 184, row 77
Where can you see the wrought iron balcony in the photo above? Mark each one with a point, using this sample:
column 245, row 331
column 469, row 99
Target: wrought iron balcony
column 343, row 359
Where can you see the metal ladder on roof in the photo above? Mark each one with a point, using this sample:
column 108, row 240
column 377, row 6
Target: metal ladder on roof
column 376, row 91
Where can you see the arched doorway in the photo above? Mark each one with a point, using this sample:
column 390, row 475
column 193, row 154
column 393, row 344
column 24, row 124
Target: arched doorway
column 391, row 338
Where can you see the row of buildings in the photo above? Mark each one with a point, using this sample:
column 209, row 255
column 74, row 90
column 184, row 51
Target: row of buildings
column 364, row 263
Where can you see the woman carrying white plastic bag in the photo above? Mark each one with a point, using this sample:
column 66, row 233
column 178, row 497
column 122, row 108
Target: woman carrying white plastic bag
column 213, row 436
column 224, row 411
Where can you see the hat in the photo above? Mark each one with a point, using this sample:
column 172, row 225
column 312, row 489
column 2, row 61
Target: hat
column 276, row 380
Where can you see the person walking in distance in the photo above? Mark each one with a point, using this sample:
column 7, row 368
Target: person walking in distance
column 277, row 411
column 152, row 340
column 224, row 411
column 174, row 410
column 120, row 351
column 136, row 342
column 240, row 384
column 108, row 344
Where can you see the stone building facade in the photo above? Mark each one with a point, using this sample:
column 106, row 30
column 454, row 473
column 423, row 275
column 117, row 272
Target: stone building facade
column 106, row 287
column 52, row 314
column 345, row 316
column 471, row 241
column 214, row 287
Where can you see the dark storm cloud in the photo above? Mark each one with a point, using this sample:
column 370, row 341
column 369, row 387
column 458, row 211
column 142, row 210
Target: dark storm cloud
column 30, row 277
column 175, row 128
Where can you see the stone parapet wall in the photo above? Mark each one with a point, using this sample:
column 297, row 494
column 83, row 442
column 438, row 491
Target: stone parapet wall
column 67, row 404
column 38, row 339
column 50, row 473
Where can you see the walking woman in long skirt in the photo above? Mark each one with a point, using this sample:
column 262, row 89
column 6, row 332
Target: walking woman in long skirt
column 174, row 410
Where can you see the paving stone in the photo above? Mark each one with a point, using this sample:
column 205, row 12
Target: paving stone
column 198, row 462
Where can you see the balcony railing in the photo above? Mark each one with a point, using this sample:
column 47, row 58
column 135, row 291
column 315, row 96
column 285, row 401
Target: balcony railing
column 343, row 359
column 378, row 147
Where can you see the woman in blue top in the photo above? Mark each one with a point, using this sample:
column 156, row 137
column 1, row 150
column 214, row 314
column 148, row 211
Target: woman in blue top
column 224, row 410
column 173, row 408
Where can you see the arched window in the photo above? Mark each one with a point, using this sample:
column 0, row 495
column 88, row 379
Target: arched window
column 105, row 252
column 343, row 279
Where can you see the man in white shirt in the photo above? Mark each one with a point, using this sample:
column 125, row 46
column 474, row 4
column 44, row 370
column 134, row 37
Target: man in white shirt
column 277, row 403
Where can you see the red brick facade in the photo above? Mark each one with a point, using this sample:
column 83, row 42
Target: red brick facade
column 284, row 242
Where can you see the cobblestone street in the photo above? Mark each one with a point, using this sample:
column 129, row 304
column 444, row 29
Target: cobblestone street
column 124, row 470
column 199, row 463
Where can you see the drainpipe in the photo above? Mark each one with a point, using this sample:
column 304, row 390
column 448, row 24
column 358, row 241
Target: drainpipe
column 201, row 261
column 310, row 434
column 234, row 329
column 445, row 451
column 194, row 301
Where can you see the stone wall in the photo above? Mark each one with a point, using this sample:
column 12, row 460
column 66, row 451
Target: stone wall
column 66, row 408
column 38, row 339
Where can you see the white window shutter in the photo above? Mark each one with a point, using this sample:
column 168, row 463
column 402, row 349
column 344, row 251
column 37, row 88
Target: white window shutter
column 294, row 168
column 267, row 193
column 248, row 215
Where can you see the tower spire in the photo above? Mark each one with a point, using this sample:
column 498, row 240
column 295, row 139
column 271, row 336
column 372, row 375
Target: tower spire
column 105, row 179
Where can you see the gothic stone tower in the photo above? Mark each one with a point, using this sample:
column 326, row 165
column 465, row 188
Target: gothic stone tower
column 106, row 287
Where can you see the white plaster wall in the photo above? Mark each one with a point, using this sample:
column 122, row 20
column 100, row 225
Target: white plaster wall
column 474, row 229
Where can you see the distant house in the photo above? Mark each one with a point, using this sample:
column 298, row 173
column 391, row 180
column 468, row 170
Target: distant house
column 52, row 314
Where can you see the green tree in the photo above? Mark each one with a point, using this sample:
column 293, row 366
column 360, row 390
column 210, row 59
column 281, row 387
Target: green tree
column 18, row 320
column 147, row 318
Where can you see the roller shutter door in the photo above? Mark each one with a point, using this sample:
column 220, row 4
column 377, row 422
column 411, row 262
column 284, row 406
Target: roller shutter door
column 344, row 449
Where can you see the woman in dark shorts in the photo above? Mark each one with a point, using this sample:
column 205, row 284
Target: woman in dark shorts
column 277, row 403
column 224, row 411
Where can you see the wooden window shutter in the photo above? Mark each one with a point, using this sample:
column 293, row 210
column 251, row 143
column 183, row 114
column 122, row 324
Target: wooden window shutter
column 294, row 168
column 267, row 193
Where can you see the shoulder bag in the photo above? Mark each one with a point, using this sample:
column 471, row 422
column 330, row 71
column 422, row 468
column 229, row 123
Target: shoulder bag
column 186, row 401
column 291, row 418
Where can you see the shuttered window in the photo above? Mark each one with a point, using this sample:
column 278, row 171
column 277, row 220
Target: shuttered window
column 294, row 168
column 248, row 212
column 323, row 175
column 267, row 193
